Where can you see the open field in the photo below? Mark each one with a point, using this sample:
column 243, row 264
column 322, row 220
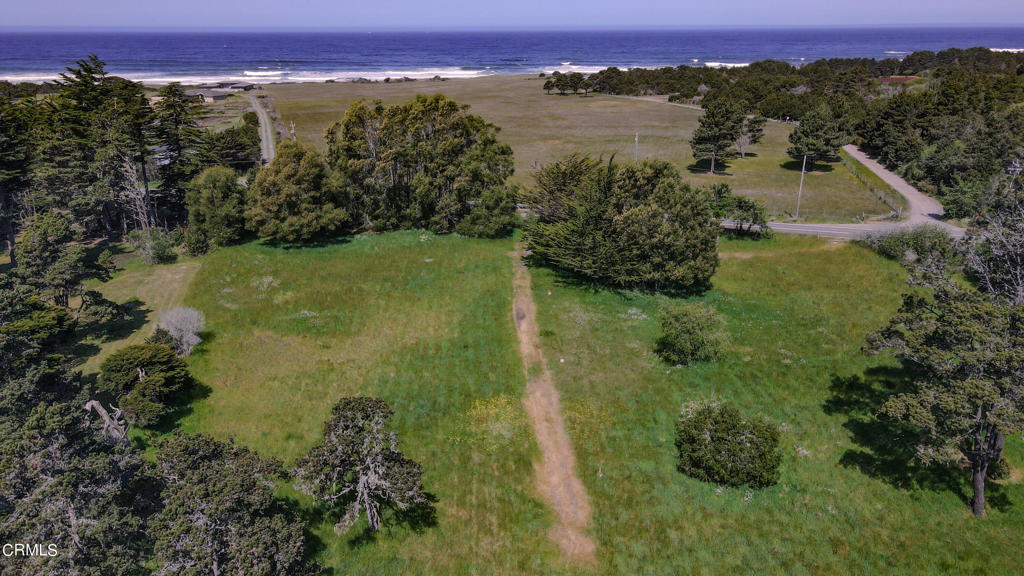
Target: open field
column 425, row 322
column 542, row 127
column 797, row 312
column 421, row 321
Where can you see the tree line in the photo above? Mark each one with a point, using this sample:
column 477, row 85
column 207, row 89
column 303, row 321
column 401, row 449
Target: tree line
column 951, row 122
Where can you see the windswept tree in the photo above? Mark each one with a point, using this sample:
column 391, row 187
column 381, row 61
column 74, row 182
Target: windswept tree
column 818, row 137
column 421, row 164
column 634, row 225
column 969, row 353
column 717, row 131
column 297, row 198
column 358, row 468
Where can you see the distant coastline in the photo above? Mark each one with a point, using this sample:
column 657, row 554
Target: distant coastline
column 157, row 57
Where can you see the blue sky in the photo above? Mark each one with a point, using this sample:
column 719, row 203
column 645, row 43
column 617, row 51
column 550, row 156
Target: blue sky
column 482, row 14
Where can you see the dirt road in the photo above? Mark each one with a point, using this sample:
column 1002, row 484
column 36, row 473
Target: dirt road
column 266, row 129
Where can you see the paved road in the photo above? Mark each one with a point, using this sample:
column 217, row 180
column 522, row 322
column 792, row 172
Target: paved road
column 266, row 129
column 921, row 209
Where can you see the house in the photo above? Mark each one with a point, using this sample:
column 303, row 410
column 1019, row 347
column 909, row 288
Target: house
column 246, row 86
column 207, row 96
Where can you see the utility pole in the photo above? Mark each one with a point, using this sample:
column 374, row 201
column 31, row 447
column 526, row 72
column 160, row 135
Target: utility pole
column 636, row 148
column 800, row 194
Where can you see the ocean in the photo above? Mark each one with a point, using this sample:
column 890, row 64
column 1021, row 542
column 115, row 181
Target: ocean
column 263, row 57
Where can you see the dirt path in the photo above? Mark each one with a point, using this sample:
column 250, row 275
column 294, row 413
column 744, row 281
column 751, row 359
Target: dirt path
column 556, row 469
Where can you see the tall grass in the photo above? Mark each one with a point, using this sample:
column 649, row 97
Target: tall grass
column 797, row 312
column 423, row 322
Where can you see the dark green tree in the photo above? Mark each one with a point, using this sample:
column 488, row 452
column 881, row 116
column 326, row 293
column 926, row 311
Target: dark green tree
column 818, row 137
column 419, row 164
column 637, row 225
column 178, row 134
column 717, row 131
column 50, row 259
column 969, row 353
column 220, row 514
column 751, row 133
column 297, row 198
column 216, row 205
column 146, row 378
column 358, row 467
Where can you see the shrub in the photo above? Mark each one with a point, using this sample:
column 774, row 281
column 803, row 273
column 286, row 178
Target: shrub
column 162, row 337
column 183, row 326
column 909, row 244
column 145, row 378
column 155, row 246
column 493, row 216
column 196, row 243
column 716, row 444
column 690, row 333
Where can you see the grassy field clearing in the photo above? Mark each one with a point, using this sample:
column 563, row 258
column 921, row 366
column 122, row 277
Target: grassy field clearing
column 419, row 320
column 542, row 127
column 424, row 322
column 797, row 312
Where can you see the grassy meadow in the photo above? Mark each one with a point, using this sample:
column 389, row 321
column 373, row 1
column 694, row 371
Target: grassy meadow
column 797, row 311
column 419, row 320
column 542, row 127
column 424, row 322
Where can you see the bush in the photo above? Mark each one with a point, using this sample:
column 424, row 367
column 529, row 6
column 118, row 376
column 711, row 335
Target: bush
column 910, row 244
column 183, row 326
column 155, row 246
column 716, row 444
column 162, row 337
column 690, row 333
column 145, row 378
column 493, row 216
column 196, row 243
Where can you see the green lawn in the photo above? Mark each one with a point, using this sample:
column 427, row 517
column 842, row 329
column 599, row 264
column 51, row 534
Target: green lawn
column 797, row 312
column 542, row 127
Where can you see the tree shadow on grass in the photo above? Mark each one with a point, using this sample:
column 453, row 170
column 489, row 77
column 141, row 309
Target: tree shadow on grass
column 315, row 243
column 887, row 448
column 812, row 167
column 569, row 278
column 109, row 323
column 704, row 167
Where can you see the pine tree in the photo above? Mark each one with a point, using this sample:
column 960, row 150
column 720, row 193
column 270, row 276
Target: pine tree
column 717, row 131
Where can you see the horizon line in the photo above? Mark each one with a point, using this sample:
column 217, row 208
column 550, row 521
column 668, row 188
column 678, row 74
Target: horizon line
column 581, row 28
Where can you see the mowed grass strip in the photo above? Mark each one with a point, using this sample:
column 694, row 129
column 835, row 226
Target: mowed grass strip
column 423, row 322
column 797, row 310
column 143, row 291
column 541, row 128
